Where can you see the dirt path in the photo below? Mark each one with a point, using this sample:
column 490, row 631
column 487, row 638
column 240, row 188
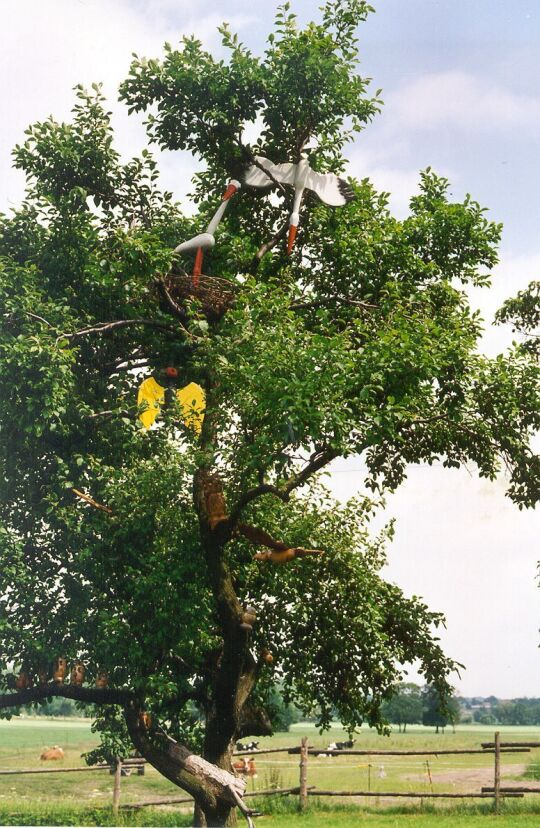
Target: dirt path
column 470, row 780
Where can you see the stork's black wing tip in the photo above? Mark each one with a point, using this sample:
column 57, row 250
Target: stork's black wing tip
column 346, row 190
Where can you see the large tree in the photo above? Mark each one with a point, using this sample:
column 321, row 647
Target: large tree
column 362, row 342
column 404, row 706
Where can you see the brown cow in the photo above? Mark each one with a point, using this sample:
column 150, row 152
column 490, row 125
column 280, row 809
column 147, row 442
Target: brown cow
column 52, row 754
column 246, row 767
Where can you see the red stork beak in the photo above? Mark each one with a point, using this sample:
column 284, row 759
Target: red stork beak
column 292, row 235
column 230, row 191
column 197, row 266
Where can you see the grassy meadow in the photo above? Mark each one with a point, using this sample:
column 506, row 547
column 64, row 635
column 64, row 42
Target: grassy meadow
column 85, row 798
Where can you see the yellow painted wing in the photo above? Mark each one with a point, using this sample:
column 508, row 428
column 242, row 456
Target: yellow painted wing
column 153, row 394
column 192, row 401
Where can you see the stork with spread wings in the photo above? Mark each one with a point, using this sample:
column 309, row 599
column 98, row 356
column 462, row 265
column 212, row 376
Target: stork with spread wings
column 328, row 187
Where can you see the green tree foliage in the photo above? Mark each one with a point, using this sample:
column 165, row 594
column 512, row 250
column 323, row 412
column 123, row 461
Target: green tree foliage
column 523, row 313
column 362, row 342
column 404, row 706
column 439, row 711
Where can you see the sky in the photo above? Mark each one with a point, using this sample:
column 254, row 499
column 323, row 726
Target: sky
column 461, row 88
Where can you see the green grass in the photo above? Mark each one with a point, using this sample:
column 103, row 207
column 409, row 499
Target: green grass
column 532, row 771
column 340, row 816
column 85, row 798
column 17, row 814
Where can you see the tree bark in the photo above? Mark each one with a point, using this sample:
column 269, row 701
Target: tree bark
column 213, row 788
column 233, row 676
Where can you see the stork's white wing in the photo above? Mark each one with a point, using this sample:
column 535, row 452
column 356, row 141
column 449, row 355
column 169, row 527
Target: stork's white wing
column 255, row 177
column 329, row 188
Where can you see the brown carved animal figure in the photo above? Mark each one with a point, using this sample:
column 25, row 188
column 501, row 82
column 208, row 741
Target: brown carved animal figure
column 285, row 555
column 278, row 551
column 52, row 754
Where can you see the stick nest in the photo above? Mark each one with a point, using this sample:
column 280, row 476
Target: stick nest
column 215, row 295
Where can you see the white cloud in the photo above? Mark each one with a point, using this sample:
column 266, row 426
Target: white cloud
column 512, row 274
column 469, row 552
column 47, row 48
column 461, row 100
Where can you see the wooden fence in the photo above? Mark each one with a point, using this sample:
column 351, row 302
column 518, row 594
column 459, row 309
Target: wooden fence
column 496, row 792
column 303, row 790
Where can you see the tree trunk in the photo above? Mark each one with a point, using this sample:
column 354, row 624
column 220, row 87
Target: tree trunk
column 233, row 676
column 215, row 789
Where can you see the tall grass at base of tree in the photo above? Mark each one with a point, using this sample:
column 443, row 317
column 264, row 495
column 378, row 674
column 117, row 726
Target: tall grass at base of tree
column 283, row 809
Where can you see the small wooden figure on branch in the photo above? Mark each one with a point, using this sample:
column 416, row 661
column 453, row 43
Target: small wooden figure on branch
column 77, row 673
column 23, row 681
column 102, row 680
column 248, row 619
column 283, row 556
column 60, row 670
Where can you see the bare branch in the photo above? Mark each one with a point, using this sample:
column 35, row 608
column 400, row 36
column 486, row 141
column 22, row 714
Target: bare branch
column 176, row 309
column 269, row 245
column 253, row 494
column 90, row 695
column 107, row 327
column 92, row 502
column 39, row 318
column 317, row 461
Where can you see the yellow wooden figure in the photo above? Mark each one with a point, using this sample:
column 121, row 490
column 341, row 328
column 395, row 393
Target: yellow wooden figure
column 153, row 394
column 191, row 399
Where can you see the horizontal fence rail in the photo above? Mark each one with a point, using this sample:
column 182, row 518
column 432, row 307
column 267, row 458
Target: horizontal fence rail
column 512, row 744
column 59, row 770
column 509, row 790
column 269, row 750
column 317, row 752
column 414, row 794
column 185, row 801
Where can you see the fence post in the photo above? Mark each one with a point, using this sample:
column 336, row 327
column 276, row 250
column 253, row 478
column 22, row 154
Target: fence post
column 497, row 773
column 303, row 773
column 116, row 788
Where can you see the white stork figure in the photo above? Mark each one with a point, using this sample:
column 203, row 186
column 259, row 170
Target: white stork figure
column 328, row 187
column 205, row 241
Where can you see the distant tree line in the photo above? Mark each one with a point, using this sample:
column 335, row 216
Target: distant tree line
column 491, row 710
column 412, row 704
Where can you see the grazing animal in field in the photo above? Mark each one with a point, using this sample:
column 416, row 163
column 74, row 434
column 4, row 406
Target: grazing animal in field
column 331, row 746
column 52, row 754
column 345, row 745
column 247, row 746
column 245, row 767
